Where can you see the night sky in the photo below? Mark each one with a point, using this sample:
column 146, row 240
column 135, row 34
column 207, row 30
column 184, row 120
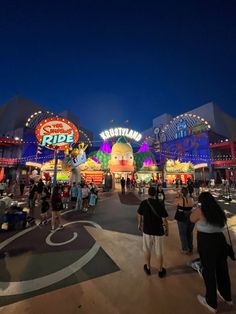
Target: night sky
column 119, row 60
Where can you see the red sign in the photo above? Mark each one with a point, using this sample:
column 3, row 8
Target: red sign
column 56, row 133
column 8, row 161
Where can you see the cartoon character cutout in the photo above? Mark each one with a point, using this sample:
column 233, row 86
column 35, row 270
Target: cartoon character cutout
column 122, row 157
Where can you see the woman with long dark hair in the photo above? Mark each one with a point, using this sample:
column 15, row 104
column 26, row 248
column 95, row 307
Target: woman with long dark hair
column 210, row 220
column 185, row 226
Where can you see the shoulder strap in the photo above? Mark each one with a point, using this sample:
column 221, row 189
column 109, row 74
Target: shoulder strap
column 153, row 210
column 230, row 241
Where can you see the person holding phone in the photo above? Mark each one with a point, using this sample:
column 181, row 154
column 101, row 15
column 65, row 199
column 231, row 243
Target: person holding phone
column 210, row 220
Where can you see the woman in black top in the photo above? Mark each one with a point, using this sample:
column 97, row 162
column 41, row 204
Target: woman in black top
column 212, row 248
column 160, row 195
column 185, row 226
column 57, row 206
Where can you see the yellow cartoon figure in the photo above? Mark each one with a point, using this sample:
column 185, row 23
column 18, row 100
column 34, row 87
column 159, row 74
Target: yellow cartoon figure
column 122, row 157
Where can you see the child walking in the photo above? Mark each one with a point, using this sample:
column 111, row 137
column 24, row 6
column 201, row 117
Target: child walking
column 65, row 196
column 44, row 210
column 92, row 200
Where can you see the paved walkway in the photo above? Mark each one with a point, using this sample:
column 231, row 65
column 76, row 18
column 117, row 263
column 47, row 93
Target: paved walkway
column 95, row 265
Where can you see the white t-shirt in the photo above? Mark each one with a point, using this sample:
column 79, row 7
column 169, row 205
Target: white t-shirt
column 85, row 192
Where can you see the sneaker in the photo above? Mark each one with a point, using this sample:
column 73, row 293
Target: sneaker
column 231, row 303
column 147, row 270
column 203, row 302
column 61, row 227
column 53, row 230
column 162, row 273
column 197, row 265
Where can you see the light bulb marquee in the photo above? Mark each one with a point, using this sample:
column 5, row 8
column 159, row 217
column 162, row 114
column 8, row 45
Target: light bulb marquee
column 57, row 133
column 185, row 124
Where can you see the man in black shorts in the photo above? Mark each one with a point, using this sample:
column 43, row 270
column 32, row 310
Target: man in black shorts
column 154, row 225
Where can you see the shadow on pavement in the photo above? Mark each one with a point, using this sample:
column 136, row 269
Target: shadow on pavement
column 5, row 275
column 129, row 198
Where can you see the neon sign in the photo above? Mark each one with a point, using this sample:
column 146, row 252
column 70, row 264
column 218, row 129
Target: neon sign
column 56, row 132
column 115, row 132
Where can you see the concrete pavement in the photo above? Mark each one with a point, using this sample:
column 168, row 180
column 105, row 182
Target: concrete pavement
column 111, row 278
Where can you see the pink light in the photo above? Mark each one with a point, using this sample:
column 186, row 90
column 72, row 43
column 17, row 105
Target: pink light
column 144, row 148
column 95, row 159
column 105, row 147
column 148, row 162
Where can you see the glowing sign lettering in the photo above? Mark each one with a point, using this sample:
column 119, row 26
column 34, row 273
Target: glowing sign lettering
column 56, row 139
column 56, row 132
column 115, row 132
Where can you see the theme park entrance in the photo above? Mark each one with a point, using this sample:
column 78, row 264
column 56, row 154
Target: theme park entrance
column 119, row 175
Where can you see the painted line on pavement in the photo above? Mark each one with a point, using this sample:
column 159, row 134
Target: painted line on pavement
column 21, row 287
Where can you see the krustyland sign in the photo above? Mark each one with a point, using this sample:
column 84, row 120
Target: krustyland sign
column 116, row 132
column 56, row 133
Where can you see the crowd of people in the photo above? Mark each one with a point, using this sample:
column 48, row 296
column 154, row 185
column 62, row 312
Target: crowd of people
column 45, row 197
column 204, row 214
column 194, row 209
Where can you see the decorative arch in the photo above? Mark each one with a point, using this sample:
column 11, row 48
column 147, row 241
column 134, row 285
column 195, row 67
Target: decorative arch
column 182, row 126
column 35, row 118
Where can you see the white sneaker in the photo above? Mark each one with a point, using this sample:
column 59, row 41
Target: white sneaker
column 231, row 303
column 203, row 301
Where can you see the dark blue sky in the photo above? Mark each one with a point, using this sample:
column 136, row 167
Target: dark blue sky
column 119, row 59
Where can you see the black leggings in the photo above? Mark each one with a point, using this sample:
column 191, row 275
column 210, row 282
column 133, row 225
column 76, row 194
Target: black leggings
column 213, row 254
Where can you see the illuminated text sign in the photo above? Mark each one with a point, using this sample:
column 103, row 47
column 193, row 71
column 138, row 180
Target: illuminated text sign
column 56, row 132
column 115, row 132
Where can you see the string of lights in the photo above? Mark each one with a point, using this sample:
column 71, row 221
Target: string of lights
column 164, row 154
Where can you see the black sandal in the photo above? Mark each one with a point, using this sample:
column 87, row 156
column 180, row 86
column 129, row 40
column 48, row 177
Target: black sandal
column 147, row 270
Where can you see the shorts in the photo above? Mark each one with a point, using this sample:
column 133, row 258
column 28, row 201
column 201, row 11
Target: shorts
column 152, row 242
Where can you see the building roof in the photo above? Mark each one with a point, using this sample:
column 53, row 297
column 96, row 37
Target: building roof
column 14, row 114
column 220, row 122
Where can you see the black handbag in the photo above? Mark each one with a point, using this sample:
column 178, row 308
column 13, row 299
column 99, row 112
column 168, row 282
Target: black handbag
column 230, row 250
